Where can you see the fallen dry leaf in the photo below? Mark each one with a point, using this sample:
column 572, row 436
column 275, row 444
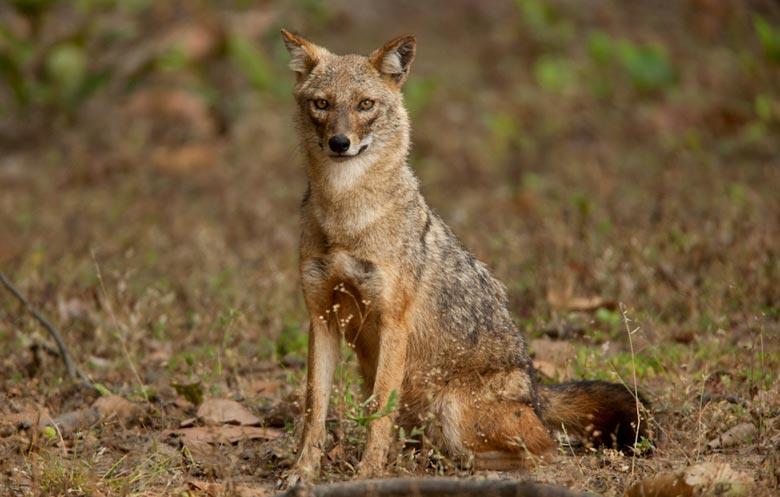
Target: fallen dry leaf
column 216, row 435
column 74, row 421
column 741, row 433
column 553, row 358
column 547, row 369
column 115, row 407
column 72, row 309
column 715, row 478
column 195, row 41
column 109, row 407
column 174, row 107
column 664, row 485
column 579, row 304
column 219, row 489
column 100, row 362
column 184, row 158
column 252, row 23
column 225, row 411
column 283, row 412
column 26, row 418
column 160, row 353
column 191, row 389
column 186, row 423
column 709, row 478
column 264, row 386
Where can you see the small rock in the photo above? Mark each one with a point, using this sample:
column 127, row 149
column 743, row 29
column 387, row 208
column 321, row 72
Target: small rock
column 702, row 479
column 741, row 433
column 116, row 407
column 225, row 411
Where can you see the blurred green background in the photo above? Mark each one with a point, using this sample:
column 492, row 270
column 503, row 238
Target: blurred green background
column 591, row 152
column 626, row 151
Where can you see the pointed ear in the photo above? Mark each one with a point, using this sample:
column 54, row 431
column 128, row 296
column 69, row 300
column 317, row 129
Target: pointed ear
column 305, row 54
column 395, row 58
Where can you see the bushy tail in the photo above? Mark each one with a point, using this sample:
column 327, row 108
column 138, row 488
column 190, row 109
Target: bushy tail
column 602, row 413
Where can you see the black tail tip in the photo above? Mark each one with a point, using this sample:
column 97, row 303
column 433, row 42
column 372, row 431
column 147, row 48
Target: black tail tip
column 607, row 415
column 623, row 420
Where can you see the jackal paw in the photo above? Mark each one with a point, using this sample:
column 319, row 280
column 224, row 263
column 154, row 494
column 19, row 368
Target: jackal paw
column 287, row 481
column 299, row 475
column 366, row 470
column 292, row 479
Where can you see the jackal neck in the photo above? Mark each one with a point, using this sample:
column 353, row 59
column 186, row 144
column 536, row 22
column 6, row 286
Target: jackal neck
column 345, row 203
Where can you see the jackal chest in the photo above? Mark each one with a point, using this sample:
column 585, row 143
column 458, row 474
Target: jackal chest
column 345, row 292
column 337, row 277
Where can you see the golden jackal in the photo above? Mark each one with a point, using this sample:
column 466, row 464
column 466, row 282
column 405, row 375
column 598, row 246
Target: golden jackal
column 426, row 319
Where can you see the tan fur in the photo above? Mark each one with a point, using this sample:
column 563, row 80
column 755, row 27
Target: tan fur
column 381, row 270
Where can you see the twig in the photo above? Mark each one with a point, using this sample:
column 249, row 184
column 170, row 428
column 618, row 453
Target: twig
column 427, row 487
column 63, row 351
column 46, row 324
column 629, row 332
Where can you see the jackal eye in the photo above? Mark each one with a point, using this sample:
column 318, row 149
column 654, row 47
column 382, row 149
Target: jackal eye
column 321, row 103
column 366, row 104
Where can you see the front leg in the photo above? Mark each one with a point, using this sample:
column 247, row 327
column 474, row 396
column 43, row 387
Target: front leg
column 322, row 358
column 393, row 340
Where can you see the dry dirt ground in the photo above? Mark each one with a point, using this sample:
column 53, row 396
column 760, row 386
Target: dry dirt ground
column 616, row 164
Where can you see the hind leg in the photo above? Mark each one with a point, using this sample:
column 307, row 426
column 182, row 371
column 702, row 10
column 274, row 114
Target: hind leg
column 486, row 420
column 504, row 435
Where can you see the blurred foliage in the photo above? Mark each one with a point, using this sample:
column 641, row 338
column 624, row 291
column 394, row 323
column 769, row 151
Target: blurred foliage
column 647, row 67
column 545, row 23
column 418, row 93
column 612, row 61
column 293, row 339
column 555, row 74
column 44, row 72
column 250, row 60
column 58, row 54
column 770, row 38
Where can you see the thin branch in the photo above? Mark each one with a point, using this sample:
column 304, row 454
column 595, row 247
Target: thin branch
column 629, row 332
column 428, row 487
column 46, row 324
column 63, row 351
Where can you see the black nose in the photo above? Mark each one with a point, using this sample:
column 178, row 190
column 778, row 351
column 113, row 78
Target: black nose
column 339, row 143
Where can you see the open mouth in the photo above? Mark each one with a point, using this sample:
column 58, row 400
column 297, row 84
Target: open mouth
column 344, row 157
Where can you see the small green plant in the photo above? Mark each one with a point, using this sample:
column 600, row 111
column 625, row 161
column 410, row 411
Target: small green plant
column 611, row 320
column 418, row 93
column 411, row 437
column 192, row 391
column 644, row 366
column 505, row 134
column 769, row 36
column 645, row 66
column 643, row 445
column 44, row 73
column 102, row 390
column 251, row 61
column 555, row 74
column 360, row 412
column 227, row 321
column 58, row 475
column 767, row 108
column 761, row 378
column 292, row 340
column 49, row 432
column 544, row 22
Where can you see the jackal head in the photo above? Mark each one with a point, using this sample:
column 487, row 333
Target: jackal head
column 351, row 105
